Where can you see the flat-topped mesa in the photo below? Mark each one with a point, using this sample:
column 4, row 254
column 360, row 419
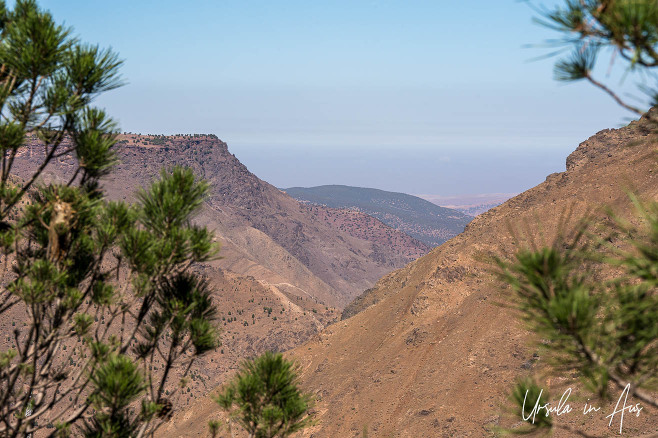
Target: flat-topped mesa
column 265, row 232
column 143, row 156
column 199, row 151
column 197, row 143
column 209, row 158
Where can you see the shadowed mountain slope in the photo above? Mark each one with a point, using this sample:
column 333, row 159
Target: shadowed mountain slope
column 265, row 233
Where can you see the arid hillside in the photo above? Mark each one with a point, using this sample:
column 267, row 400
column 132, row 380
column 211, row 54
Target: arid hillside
column 364, row 226
column 254, row 317
column 429, row 352
column 265, row 233
column 285, row 266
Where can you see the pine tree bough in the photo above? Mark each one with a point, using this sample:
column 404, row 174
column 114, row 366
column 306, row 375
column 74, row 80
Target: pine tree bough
column 605, row 330
column 108, row 314
column 629, row 28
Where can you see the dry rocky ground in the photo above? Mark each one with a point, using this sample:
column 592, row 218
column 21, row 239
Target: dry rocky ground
column 429, row 351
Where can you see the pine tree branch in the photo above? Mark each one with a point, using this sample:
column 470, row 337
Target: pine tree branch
column 612, row 94
column 621, row 383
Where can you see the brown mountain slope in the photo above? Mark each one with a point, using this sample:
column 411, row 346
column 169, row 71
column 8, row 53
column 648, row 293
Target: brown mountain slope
column 267, row 297
column 266, row 233
column 363, row 226
column 431, row 354
column 254, row 317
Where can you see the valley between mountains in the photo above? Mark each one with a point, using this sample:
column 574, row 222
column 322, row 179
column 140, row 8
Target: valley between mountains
column 392, row 336
column 429, row 351
column 286, row 269
column 321, row 254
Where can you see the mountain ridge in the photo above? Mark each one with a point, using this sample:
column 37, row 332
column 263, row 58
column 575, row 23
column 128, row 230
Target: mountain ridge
column 415, row 216
column 263, row 229
column 284, row 268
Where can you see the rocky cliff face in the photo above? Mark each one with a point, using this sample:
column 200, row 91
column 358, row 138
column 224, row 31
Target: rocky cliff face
column 429, row 351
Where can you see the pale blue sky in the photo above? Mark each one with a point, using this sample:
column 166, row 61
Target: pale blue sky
column 435, row 97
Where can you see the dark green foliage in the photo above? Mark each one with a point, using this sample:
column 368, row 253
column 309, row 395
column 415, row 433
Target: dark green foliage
column 117, row 383
column 183, row 306
column 526, row 395
column 94, row 148
column 578, row 66
column 605, row 331
column 171, row 200
column 214, row 427
column 106, row 283
column 264, row 398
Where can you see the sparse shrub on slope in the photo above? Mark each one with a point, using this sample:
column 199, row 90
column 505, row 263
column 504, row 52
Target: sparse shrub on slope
column 265, row 400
